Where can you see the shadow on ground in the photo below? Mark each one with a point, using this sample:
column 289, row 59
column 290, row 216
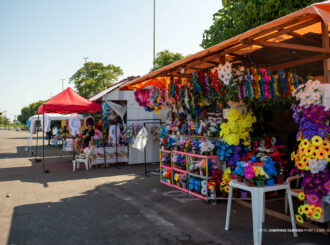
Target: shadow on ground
column 50, row 151
column 139, row 210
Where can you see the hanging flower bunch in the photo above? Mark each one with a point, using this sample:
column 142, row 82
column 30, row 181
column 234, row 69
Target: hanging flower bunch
column 150, row 99
column 226, row 178
column 309, row 93
column 225, row 72
column 237, row 128
column 312, row 121
column 313, row 153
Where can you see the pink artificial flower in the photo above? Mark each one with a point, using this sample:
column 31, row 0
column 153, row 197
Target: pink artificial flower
column 327, row 185
column 249, row 172
column 313, row 199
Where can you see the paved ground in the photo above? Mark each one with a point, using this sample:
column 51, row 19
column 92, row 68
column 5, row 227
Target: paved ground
column 112, row 206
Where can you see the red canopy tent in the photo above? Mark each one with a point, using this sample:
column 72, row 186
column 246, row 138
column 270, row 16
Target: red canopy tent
column 66, row 102
column 69, row 101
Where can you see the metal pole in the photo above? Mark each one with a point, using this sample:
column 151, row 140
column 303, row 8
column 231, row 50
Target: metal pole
column 154, row 34
column 62, row 83
column 37, row 139
column 43, row 139
column 103, row 141
column 85, row 58
column 145, row 157
column 116, row 145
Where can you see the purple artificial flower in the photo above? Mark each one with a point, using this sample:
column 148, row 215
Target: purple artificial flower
column 317, row 181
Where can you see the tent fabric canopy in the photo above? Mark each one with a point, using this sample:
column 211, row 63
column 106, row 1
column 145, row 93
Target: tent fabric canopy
column 303, row 28
column 69, row 101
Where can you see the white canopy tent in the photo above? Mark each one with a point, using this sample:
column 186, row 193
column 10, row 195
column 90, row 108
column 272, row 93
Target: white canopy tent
column 48, row 118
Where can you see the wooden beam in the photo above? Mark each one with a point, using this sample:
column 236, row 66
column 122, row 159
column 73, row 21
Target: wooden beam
column 299, row 62
column 290, row 46
column 212, row 62
column 294, row 34
column 325, row 44
column 283, row 31
column 302, row 22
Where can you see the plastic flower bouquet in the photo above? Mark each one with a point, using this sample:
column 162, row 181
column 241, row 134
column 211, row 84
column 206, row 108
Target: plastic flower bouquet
column 260, row 175
column 206, row 147
column 226, row 178
column 309, row 93
column 237, row 128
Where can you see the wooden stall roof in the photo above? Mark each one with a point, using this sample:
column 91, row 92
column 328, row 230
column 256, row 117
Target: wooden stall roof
column 293, row 40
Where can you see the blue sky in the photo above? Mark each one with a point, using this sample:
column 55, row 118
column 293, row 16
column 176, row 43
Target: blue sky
column 45, row 41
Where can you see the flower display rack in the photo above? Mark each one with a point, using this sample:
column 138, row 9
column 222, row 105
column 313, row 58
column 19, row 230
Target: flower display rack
column 184, row 177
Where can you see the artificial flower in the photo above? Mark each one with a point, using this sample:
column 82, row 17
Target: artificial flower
column 301, row 196
column 299, row 218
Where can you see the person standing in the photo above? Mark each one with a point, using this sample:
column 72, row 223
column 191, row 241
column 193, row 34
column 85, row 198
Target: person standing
column 88, row 134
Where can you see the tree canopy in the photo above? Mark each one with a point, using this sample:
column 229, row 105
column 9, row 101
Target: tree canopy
column 94, row 77
column 236, row 17
column 30, row 110
column 164, row 58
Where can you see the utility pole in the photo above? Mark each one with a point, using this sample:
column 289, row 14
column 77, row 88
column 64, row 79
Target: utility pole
column 154, row 54
column 62, row 83
column 85, row 58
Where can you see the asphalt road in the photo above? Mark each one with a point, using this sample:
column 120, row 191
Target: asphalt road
column 112, row 206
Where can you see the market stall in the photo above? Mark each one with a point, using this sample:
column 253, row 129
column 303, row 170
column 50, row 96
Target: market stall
column 49, row 117
column 239, row 102
column 133, row 119
column 66, row 102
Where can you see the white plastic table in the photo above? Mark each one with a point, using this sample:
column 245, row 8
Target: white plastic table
column 258, row 206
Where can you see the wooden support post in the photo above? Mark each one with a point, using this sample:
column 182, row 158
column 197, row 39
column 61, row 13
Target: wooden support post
column 325, row 44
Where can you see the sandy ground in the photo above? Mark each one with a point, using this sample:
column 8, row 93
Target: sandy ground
column 116, row 205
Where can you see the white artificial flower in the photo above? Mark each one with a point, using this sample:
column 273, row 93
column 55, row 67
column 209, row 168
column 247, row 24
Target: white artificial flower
column 312, row 163
column 317, row 83
column 314, row 170
column 316, row 96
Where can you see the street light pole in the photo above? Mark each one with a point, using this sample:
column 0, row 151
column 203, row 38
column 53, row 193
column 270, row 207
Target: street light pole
column 85, row 58
column 62, row 83
column 154, row 52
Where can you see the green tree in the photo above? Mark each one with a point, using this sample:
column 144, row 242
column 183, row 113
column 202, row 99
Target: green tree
column 30, row 110
column 94, row 77
column 164, row 58
column 236, row 17
column 4, row 120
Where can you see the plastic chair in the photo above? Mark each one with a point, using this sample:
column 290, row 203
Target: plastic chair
column 294, row 191
column 82, row 158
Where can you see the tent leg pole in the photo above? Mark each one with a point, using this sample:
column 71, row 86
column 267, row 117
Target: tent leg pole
column 116, row 145
column 43, row 140
column 103, row 142
column 36, row 156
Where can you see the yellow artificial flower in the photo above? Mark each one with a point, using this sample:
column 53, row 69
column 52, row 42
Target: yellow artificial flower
column 259, row 171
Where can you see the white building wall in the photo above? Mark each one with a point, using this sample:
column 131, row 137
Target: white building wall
column 135, row 112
